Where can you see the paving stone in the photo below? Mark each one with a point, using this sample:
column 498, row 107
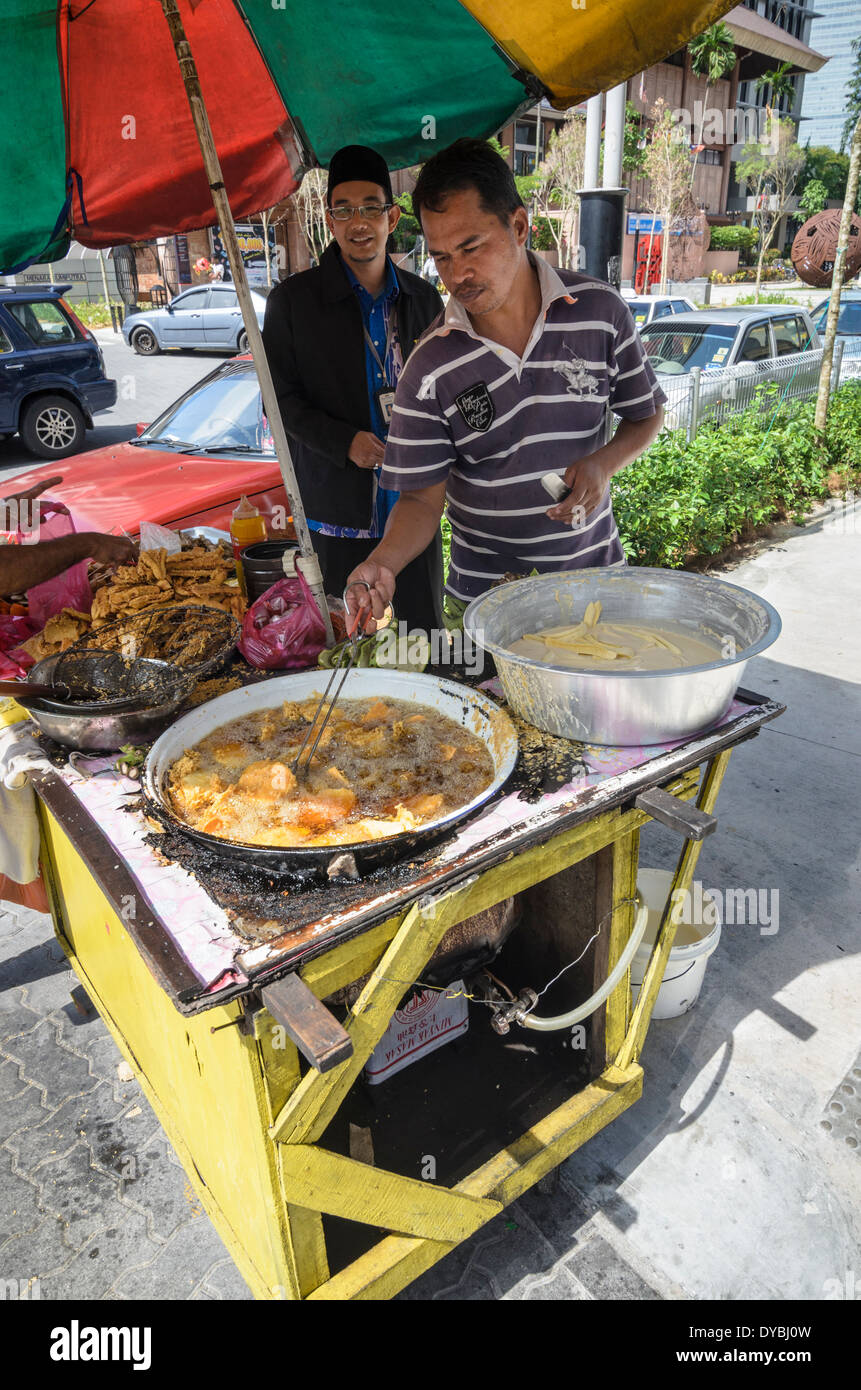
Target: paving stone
column 560, row 1287
column 103, row 1056
column 563, row 1218
column 601, row 1270
column 38, row 1253
column 159, row 1189
column 95, row 1117
column 225, row 1282
column 52, row 991
column 11, row 1084
column 15, row 1017
column 92, row 1272
column 19, row 1209
column 87, row 1200
column 55, row 1068
column 21, row 1110
column 179, row 1267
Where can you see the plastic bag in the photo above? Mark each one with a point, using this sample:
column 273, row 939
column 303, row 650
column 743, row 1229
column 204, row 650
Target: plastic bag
column 13, row 631
column 155, row 537
column 283, row 629
column 70, row 588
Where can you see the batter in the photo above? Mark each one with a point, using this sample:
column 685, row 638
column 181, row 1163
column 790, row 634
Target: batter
column 596, row 646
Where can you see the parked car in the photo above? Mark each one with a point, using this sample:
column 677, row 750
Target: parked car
column 751, row 338
column 207, row 316
column 52, row 372
column 188, row 468
column 647, row 308
column 849, row 318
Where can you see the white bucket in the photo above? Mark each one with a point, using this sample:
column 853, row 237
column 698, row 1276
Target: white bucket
column 694, row 943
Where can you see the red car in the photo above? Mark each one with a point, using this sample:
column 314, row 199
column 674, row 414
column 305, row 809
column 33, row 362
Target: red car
column 189, row 468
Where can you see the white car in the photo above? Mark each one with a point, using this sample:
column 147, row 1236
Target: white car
column 646, row 308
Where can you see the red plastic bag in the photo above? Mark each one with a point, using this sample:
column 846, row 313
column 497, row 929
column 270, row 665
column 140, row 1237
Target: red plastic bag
column 283, row 629
column 13, row 631
column 70, row 588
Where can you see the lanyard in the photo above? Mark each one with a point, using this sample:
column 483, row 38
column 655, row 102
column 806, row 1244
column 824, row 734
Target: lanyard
column 390, row 333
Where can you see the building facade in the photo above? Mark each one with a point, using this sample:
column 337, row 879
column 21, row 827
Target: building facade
column 837, row 23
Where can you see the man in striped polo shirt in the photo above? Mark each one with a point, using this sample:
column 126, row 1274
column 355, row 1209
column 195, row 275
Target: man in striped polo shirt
column 512, row 382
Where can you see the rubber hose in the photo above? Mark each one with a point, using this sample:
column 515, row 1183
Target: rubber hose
column 551, row 1025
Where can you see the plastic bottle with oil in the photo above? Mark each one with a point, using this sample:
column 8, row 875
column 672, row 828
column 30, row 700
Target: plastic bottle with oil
column 247, row 526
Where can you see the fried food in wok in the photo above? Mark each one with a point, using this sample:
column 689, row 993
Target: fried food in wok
column 382, row 767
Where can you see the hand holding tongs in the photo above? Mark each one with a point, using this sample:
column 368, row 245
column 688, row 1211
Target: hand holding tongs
column 355, row 630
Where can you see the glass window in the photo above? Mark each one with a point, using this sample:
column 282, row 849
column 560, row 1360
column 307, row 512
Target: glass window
column 677, row 349
column 756, row 346
column 222, row 298
column 787, row 336
column 5, row 345
column 661, row 310
column 226, row 410
column 850, row 318
column 43, row 321
column 192, row 299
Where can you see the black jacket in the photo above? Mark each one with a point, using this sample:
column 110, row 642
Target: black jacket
column 316, row 350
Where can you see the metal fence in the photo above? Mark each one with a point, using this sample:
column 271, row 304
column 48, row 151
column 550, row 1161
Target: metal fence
column 713, row 394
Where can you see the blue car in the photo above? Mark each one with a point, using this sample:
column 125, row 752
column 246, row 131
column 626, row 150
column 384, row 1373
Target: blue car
column 52, row 372
column 207, row 316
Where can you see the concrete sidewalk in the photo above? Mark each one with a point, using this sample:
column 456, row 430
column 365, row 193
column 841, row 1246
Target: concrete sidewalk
column 724, row 1181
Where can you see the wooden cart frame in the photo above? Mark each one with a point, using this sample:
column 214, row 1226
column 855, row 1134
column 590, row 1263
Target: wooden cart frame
column 227, row 1085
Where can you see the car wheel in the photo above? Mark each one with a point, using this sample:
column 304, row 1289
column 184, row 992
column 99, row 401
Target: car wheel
column 242, row 345
column 52, row 427
column 145, row 342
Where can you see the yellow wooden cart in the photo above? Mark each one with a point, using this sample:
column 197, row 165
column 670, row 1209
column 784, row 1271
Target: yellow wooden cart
column 259, row 1084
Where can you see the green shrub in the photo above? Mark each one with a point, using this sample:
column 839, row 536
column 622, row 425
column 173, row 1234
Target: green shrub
column 684, row 500
column 732, row 239
column 542, row 237
column 92, row 313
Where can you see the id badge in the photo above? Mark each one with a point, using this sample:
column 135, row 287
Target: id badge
column 386, row 400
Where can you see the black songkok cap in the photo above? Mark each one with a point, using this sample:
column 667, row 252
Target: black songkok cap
column 358, row 162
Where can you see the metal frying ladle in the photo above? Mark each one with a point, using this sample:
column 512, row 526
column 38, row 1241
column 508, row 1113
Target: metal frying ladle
column 297, row 767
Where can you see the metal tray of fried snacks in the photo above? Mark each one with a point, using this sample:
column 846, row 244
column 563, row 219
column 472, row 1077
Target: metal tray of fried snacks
column 194, row 637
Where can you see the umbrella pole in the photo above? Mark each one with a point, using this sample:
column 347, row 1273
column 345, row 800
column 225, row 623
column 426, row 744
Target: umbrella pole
column 212, row 164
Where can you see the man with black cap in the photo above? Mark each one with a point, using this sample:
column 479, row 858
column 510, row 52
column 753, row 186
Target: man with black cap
column 337, row 338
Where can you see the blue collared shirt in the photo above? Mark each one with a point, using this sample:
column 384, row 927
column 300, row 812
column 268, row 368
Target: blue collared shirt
column 376, row 316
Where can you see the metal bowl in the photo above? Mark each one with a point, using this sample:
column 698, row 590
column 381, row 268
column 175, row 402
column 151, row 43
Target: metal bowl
column 476, row 712
column 95, row 728
column 622, row 707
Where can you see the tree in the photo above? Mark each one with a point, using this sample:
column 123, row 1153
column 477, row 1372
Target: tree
column 712, row 57
column 634, row 143
column 853, row 95
column 852, row 185
column 555, row 185
column 771, row 171
column 665, row 165
column 310, row 205
column 826, row 165
column 780, row 81
column 813, row 198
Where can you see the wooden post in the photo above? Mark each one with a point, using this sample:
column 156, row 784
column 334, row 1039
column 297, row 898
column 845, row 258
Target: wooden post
column 212, row 165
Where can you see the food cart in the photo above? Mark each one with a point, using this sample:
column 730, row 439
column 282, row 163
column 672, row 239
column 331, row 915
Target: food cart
column 249, row 1010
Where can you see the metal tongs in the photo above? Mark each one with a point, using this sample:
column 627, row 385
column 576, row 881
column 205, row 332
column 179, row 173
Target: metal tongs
column 351, row 652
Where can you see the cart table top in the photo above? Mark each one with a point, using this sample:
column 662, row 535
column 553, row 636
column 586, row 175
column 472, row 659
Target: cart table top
column 210, row 934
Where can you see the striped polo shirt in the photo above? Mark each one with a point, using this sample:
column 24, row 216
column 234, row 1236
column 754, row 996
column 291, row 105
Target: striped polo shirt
column 471, row 413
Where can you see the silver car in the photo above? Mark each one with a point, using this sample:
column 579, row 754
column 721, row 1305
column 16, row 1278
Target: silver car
column 207, row 316
column 737, row 350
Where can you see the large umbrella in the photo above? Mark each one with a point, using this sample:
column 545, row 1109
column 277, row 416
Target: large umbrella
column 123, row 120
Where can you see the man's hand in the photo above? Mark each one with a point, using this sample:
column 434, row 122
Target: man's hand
column 108, row 550
column 35, row 491
column 371, row 602
column 366, row 450
column 587, row 479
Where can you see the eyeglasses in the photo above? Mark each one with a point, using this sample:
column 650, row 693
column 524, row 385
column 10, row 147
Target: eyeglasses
column 370, row 210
